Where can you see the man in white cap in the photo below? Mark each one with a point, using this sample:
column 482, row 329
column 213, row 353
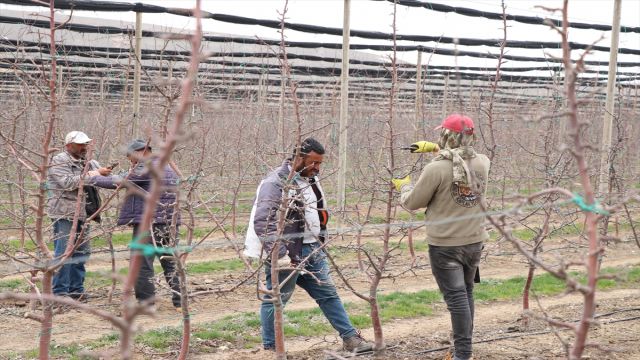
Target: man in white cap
column 63, row 185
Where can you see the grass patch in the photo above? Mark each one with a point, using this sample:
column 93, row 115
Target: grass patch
column 374, row 219
column 160, row 339
column 524, row 234
column 10, row 285
column 242, row 328
column 13, row 245
column 241, row 229
column 72, row 351
column 305, row 323
column 98, row 279
column 405, row 216
column 492, row 290
column 118, row 239
column 216, row 265
column 420, row 245
column 373, row 247
column 547, row 284
column 401, row 305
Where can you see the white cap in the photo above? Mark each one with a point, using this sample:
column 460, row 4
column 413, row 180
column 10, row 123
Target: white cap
column 76, row 137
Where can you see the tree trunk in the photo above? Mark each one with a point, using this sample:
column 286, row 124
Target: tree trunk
column 47, row 316
column 376, row 323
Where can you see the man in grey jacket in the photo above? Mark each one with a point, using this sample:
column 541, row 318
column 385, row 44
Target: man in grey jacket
column 304, row 232
column 451, row 187
column 66, row 171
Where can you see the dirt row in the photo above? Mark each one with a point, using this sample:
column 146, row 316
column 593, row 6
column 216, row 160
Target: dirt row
column 497, row 327
column 73, row 326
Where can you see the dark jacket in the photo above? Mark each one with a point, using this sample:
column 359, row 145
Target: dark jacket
column 265, row 221
column 133, row 207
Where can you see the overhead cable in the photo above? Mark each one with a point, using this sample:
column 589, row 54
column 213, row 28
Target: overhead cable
column 302, row 44
column 533, row 20
column 109, row 53
column 316, row 29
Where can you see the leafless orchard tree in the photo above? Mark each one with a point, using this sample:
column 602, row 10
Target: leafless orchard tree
column 282, row 217
column 591, row 210
column 47, row 265
column 130, row 309
column 229, row 153
column 383, row 166
column 38, row 168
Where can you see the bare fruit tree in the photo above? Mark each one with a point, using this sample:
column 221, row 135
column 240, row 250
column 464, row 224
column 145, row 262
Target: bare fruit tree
column 591, row 209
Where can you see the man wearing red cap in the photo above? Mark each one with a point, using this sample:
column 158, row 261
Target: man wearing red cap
column 450, row 187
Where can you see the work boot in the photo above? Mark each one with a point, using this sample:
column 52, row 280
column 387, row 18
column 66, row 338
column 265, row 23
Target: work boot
column 356, row 344
column 449, row 356
column 82, row 297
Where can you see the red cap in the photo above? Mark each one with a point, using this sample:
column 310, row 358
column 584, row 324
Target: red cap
column 457, row 123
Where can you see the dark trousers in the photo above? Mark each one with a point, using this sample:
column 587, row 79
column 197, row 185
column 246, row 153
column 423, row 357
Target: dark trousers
column 454, row 268
column 144, row 287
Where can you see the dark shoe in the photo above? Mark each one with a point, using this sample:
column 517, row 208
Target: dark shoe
column 147, row 302
column 80, row 297
column 450, row 356
column 356, row 344
column 269, row 347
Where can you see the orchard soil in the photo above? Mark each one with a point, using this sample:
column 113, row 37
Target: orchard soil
column 498, row 326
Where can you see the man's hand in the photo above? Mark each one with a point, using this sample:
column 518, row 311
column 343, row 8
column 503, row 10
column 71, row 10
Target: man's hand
column 424, row 147
column 399, row 183
column 284, row 261
column 104, row 171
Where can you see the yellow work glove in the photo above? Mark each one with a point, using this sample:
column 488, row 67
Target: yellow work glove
column 399, row 183
column 424, row 147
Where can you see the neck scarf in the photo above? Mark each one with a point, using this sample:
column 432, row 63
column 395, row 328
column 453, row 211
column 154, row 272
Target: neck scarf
column 456, row 147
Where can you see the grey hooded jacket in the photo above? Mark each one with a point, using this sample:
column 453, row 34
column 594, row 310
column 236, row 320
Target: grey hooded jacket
column 63, row 180
column 267, row 205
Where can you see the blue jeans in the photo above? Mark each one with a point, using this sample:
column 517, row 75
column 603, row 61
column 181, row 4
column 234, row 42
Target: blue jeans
column 324, row 293
column 69, row 279
column 454, row 268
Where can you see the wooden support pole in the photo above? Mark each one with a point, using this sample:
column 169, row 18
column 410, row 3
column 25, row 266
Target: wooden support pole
column 60, row 85
column 262, row 88
column 603, row 187
column 344, row 109
column 136, row 76
column 281, row 110
column 445, row 95
column 101, row 92
column 170, row 77
column 419, row 92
